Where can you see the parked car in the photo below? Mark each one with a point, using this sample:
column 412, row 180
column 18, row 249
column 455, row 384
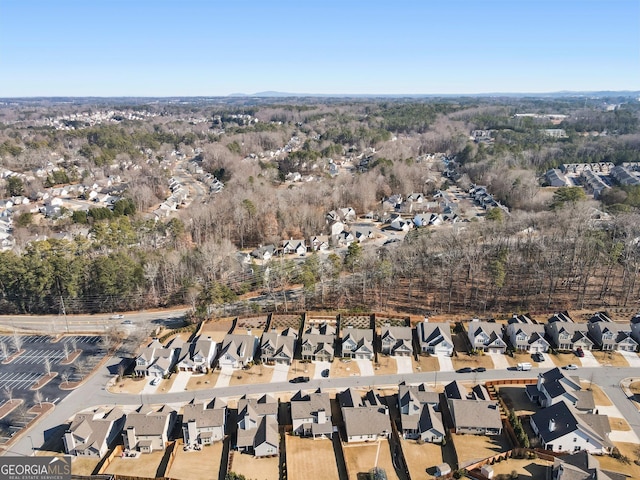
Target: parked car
column 155, row 381
column 127, row 322
column 537, row 357
column 325, row 373
column 299, row 380
column 579, row 352
column 465, row 370
column 118, row 316
column 571, row 366
column 480, row 369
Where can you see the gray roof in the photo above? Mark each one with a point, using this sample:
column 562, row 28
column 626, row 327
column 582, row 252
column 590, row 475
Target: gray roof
column 421, row 394
column 556, row 383
column 94, row 427
column 307, row 405
column 241, row 347
column 475, row 414
column 148, row 421
column 366, row 421
column 397, row 333
column 583, row 466
column 211, row 415
column 434, row 333
column 265, row 405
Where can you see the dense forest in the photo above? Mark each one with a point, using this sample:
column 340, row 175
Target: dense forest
column 552, row 252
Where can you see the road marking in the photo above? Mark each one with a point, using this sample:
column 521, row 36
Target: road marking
column 56, row 400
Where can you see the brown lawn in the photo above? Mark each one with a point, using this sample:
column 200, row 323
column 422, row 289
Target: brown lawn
column 471, row 448
column 533, row 469
column 193, row 465
column 563, row 359
column 256, row 374
column 309, row 459
column 519, row 358
column 619, row 424
column 83, row 466
column 635, row 388
column 129, row 385
column 255, row 468
column 426, row 364
column 166, row 383
column 473, row 361
column 217, row 329
column 610, row 359
column 599, row 397
column 420, row 457
column 360, row 458
column 145, row 465
column 516, row 399
column 299, row 368
column 201, row 382
column 344, row 369
column 386, row 365
column 630, row 469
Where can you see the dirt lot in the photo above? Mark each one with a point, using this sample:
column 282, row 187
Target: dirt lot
column 344, row 369
column 129, row 385
column 309, row 459
column 145, row 465
column 516, row 399
column 599, row 397
column 386, row 366
column 360, row 458
column 217, row 329
column 610, row 359
column 192, row 465
column 527, row 469
column 255, row 468
column 473, row 361
column 519, row 358
column 83, row 466
column 619, row 424
column 630, row 469
column 256, row 374
column 562, row 359
column 420, row 457
column 201, row 382
column 471, row 448
column 299, row 368
column 426, row 364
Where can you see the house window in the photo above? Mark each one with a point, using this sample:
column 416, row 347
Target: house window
column 576, row 448
column 575, row 439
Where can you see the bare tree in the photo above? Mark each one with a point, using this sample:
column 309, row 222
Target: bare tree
column 65, row 350
column 47, row 366
column 5, row 350
column 74, row 344
column 8, row 392
column 17, row 341
column 82, row 367
column 64, row 377
column 120, row 371
column 37, row 398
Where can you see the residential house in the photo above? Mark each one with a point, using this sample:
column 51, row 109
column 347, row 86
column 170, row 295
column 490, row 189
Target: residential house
column 202, row 423
column 472, row 411
column 569, row 336
column 155, row 360
column 486, row 336
column 147, row 429
column 581, row 466
column 635, row 327
column 554, row 386
column 92, row 433
column 257, row 431
column 237, row 350
column 199, row 357
column 365, row 418
column 291, row 246
column 435, row 338
column 357, row 343
column 555, row 178
column 264, row 253
column 527, row 337
column 419, row 418
column 278, row 348
column 607, row 335
column 561, row 428
column 311, row 415
column 319, row 243
column 318, row 343
column 396, row 341
column 400, row 224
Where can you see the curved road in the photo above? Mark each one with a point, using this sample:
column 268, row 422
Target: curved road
column 93, row 393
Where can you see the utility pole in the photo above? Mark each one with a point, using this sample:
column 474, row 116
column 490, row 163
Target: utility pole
column 64, row 312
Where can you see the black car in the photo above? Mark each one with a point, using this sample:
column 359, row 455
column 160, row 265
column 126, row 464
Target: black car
column 537, row 357
column 480, row 369
column 325, row 373
column 299, row 380
column 465, row 370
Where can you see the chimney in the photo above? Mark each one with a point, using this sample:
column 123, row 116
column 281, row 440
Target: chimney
column 552, row 425
column 322, row 416
column 70, row 441
column 130, row 440
column 248, row 331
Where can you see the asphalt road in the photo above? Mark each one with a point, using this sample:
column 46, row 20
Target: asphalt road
column 93, row 393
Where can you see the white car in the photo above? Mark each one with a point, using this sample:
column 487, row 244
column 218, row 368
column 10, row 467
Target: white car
column 571, row 366
column 117, row 316
column 155, row 381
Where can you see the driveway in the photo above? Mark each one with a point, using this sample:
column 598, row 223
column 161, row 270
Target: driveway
column 499, row 361
column 366, row 368
column 631, row 357
column 403, row 364
column 589, row 360
column 319, row 367
column 628, row 436
column 225, row 377
column 148, row 388
column 280, row 373
column 446, row 365
column 548, row 363
column 180, row 382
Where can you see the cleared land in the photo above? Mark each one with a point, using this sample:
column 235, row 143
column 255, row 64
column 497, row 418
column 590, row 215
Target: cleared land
column 129, row 385
column 146, row 465
column 256, row 374
column 563, row 359
column 299, row 369
column 344, row 369
column 610, row 359
column 217, row 329
column 203, row 381
column 426, row 364
column 526, row 469
column 386, row 366
column 472, row 448
column 420, row 457
column 309, row 459
column 630, row 469
column 473, row 361
column 83, row 466
column 255, row 468
column 360, row 458
column 192, row 465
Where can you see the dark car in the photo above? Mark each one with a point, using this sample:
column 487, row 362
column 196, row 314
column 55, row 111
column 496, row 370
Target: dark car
column 325, row 373
column 299, row 380
column 480, row 369
column 537, row 357
column 465, row 370
column 579, row 352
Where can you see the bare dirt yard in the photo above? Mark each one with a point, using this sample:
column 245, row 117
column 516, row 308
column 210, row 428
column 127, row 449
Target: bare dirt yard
column 203, row 381
column 564, row 359
column 610, row 359
column 518, row 358
column 146, row 465
column 471, row 448
column 217, row 329
column 83, row 466
column 193, row 465
column 309, row 459
column 420, row 457
column 426, row 364
column 129, row 385
column 630, row 469
column 473, row 361
column 533, row 469
column 255, row 468
column 386, row 365
column 361, row 457
column 341, row 368
column 599, row 397
column 254, row 375
column 299, row 368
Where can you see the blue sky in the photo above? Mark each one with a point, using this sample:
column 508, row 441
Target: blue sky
column 211, row 47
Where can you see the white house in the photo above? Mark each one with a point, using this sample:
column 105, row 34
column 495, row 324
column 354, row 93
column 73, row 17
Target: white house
column 435, row 338
column 486, row 336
